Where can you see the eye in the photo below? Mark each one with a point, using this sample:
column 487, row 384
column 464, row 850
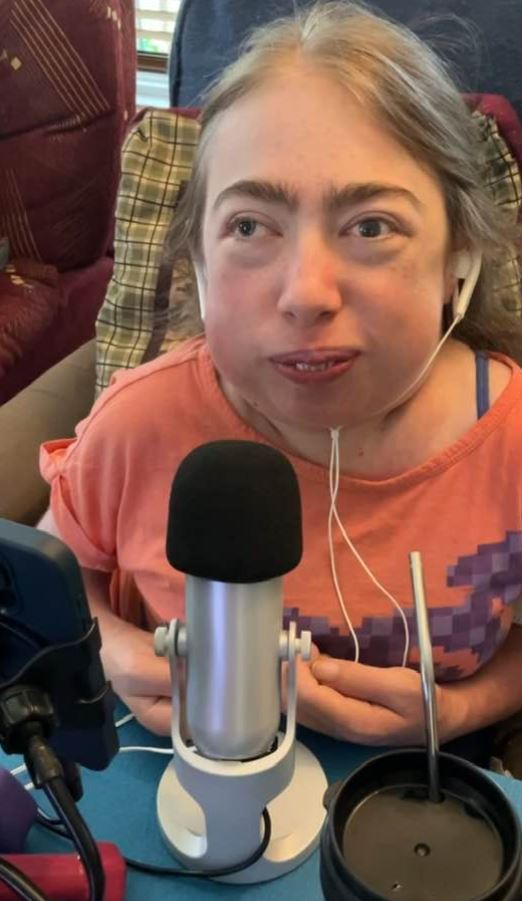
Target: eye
column 245, row 227
column 374, row 228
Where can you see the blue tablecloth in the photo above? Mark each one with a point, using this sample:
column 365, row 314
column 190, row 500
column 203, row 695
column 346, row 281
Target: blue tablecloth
column 120, row 806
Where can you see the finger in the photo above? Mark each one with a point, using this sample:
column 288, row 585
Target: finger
column 349, row 719
column 148, row 676
column 343, row 716
column 379, row 685
column 314, row 654
column 155, row 714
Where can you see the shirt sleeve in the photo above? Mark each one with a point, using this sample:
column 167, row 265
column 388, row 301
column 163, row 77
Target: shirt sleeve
column 86, row 476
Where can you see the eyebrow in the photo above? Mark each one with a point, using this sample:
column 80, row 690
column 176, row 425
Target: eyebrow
column 334, row 199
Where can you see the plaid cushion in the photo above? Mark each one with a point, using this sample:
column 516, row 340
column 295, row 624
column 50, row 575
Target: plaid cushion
column 156, row 159
column 503, row 177
column 135, row 322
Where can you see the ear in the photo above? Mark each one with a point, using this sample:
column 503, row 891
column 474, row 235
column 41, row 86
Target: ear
column 451, row 281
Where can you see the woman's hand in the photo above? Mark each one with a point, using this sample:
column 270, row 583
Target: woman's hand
column 367, row 704
column 139, row 678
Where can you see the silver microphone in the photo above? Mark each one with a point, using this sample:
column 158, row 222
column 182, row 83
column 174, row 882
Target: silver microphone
column 233, row 701
column 243, row 800
column 234, row 529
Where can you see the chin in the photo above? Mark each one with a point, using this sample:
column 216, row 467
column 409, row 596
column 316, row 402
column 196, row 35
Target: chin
column 306, row 420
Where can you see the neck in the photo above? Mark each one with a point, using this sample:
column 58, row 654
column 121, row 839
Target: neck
column 358, row 444
column 390, row 443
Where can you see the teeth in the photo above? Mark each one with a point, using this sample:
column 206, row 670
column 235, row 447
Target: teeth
column 313, row 367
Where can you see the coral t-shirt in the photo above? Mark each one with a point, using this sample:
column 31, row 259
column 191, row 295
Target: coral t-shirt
column 462, row 509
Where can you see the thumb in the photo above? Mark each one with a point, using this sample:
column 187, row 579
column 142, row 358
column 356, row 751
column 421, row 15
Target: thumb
column 326, row 669
column 380, row 685
column 314, row 654
column 154, row 714
column 351, row 679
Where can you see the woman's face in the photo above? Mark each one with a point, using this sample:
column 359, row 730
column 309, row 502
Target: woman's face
column 324, row 251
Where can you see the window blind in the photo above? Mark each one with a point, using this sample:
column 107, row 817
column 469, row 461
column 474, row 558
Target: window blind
column 155, row 20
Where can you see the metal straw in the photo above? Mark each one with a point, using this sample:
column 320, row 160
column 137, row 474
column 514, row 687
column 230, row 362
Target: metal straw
column 427, row 677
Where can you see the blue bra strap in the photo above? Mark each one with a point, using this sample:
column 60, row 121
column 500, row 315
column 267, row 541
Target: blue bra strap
column 482, row 383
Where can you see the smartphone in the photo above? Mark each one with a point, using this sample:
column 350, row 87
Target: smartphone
column 43, row 605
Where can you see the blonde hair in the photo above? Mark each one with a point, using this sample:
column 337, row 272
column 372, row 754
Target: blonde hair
column 385, row 66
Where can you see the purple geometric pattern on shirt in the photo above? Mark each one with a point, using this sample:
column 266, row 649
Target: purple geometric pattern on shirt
column 494, row 572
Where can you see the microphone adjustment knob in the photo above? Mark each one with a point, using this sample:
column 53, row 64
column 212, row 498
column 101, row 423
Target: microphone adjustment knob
column 161, row 641
column 304, row 645
column 301, row 645
column 171, row 640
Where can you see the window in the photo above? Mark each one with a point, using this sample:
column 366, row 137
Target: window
column 155, row 20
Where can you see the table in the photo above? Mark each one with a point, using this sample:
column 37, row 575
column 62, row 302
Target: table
column 120, row 806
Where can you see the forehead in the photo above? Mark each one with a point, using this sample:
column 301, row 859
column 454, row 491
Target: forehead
column 306, row 130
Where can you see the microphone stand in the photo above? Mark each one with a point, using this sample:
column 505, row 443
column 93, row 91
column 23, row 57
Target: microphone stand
column 210, row 811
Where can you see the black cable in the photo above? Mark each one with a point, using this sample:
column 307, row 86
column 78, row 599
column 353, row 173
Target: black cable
column 60, row 797
column 19, row 883
column 52, row 825
column 47, row 772
column 177, row 871
column 208, row 874
column 43, row 816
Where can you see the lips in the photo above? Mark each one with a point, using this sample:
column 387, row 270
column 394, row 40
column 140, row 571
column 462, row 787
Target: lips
column 315, row 357
column 318, row 365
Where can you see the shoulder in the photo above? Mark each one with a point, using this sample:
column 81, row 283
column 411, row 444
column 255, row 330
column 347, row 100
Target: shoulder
column 498, row 431
column 503, row 379
column 181, row 363
column 148, row 406
column 501, row 371
column 459, row 376
column 442, row 426
column 176, row 380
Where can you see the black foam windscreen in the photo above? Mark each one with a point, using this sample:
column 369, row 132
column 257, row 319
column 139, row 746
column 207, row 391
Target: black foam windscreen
column 234, row 513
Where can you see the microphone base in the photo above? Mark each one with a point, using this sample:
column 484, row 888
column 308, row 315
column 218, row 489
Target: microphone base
column 297, row 815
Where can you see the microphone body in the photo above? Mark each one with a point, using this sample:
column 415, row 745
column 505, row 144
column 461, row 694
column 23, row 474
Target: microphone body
column 232, row 681
column 234, row 529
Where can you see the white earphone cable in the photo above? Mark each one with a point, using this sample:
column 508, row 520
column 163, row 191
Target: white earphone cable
column 334, row 487
column 334, row 476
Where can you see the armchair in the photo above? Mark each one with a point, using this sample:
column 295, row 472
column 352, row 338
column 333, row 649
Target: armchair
column 67, row 88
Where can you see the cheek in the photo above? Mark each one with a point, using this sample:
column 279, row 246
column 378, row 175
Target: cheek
column 226, row 308
column 408, row 297
column 238, row 298
column 228, row 325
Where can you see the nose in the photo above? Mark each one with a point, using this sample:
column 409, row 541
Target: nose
column 311, row 289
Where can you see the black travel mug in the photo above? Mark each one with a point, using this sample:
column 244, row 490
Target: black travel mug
column 385, row 840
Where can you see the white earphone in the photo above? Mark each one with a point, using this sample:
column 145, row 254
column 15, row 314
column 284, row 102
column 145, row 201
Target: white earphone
column 466, row 267
column 200, row 281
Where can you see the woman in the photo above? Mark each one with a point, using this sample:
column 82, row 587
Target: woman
column 336, row 224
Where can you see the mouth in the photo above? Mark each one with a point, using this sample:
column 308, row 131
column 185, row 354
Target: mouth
column 311, row 366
